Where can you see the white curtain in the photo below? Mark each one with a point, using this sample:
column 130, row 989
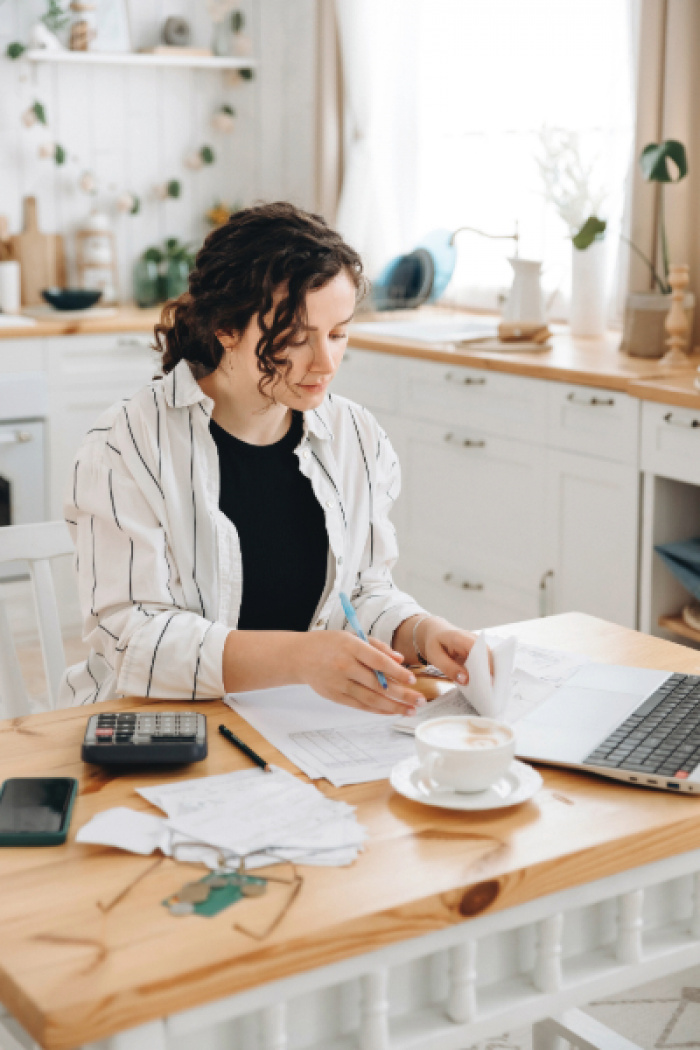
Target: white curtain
column 447, row 100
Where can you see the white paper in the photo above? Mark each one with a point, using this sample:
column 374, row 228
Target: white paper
column 536, row 674
column 241, row 813
column 487, row 693
column 342, row 744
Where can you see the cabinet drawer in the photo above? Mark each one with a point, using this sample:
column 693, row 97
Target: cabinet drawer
column 89, row 360
column 371, row 379
column 671, row 442
column 475, row 497
column 467, row 598
column 595, row 422
column 490, row 401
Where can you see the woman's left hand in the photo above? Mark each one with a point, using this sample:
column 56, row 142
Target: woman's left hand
column 446, row 647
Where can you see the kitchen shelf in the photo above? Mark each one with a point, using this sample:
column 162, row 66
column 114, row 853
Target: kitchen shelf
column 677, row 625
column 135, row 58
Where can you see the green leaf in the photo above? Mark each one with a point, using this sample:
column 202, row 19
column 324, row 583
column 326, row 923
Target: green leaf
column 237, row 21
column 171, row 243
column 15, row 50
column 55, row 18
column 39, row 112
column 592, row 230
column 228, row 109
column 136, row 206
column 59, row 155
column 207, row 154
column 153, row 255
column 654, row 160
column 246, row 74
column 174, row 188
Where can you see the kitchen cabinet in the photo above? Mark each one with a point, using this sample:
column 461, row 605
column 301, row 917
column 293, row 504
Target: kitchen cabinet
column 520, row 496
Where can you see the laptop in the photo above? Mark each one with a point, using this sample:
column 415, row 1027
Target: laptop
column 628, row 723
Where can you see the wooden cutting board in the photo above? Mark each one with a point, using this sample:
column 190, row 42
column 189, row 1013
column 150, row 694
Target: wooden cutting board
column 41, row 257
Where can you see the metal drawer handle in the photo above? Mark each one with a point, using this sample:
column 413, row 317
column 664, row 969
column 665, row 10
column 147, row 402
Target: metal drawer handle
column 608, row 401
column 17, row 437
column 464, row 442
column 465, row 380
column 691, row 425
column 465, row 585
column 545, row 592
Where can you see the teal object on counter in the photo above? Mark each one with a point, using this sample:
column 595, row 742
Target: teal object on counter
column 683, row 559
column 419, row 277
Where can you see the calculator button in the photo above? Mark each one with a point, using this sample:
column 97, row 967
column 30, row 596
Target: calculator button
column 105, row 734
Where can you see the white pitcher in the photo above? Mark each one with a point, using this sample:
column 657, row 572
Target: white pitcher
column 525, row 299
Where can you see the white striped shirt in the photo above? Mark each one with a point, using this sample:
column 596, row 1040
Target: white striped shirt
column 159, row 565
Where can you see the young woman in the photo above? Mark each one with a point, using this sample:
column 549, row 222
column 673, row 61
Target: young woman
column 219, row 513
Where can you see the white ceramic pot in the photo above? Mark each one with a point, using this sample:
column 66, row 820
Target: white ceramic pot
column 588, row 301
column 524, row 302
column 10, row 300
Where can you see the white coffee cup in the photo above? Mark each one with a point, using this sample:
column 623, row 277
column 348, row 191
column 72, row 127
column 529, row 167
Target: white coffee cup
column 464, row 752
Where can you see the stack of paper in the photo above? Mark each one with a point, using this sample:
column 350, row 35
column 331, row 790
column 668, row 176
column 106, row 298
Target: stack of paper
column 242, row 814
column 342, row 744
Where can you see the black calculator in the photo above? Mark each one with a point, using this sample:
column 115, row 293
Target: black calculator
column 131, row 738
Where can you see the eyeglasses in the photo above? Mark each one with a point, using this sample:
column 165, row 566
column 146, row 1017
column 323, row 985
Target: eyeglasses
column 183, row 901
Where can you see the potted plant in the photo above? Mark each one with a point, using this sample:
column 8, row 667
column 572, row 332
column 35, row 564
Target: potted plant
column 644, row 333
column 162, row 273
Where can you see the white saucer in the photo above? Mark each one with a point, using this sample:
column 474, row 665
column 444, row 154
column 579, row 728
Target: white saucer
column 519, row 784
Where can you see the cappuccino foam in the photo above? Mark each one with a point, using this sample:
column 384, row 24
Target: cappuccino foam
column 465, row 735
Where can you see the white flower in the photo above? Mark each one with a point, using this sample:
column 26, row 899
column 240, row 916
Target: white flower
column 160, row 191
column 569, row 180
column 47, row 149
column 29, row 117
column 193, row 161
column 87, row 182
column 223, row 121
column 125, row 202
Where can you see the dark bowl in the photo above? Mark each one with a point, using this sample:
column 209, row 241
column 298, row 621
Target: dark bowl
column 71, row 298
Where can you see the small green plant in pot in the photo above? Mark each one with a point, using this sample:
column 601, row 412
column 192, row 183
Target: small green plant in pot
column 645, row 312
column 162, row 272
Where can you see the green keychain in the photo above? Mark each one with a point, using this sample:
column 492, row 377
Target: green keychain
column 214, row 893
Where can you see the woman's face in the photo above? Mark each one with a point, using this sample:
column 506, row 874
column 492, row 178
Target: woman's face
column 315, row 355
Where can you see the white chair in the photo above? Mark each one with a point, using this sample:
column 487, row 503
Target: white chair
column 36, row 545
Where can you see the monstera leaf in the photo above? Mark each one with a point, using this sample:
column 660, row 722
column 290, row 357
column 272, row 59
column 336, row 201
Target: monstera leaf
column 654, row 161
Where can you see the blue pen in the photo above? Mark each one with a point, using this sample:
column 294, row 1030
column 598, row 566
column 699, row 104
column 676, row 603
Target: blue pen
column 355, row 624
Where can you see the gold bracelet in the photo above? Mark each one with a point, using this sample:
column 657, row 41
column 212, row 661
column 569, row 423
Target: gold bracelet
column 419, row 655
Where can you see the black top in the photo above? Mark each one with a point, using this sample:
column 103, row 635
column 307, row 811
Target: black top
column 281, row 527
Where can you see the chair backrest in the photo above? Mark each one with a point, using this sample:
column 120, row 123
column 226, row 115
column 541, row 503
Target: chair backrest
column 36, row 545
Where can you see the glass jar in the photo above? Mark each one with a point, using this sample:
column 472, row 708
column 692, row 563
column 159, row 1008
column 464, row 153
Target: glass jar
column 176, row 278
column 146, row 289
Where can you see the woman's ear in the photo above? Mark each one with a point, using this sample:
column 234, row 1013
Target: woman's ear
column 229, row 340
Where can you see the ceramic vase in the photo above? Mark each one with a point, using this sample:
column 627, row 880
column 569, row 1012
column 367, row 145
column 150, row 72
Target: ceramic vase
column 588, row 307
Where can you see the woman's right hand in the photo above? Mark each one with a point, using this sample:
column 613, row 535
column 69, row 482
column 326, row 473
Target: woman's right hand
column 341, row 667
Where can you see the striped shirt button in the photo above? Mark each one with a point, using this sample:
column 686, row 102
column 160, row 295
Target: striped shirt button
column 330, row 504
column 306, row 454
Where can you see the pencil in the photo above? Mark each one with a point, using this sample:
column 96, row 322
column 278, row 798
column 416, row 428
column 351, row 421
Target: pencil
column 355, row 624
column 237, row 742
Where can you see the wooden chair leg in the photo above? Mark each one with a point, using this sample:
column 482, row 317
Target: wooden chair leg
column 580, row 1030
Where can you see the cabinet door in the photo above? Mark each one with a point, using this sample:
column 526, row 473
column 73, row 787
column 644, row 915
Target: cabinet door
column 593, row 511
column 475, row 499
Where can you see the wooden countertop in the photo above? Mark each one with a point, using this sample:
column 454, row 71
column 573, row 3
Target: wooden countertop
column 675, row 390
column 128, row 318
column 72, row 973
column 589, row 362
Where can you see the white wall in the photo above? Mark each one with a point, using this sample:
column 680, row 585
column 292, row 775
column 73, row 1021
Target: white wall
column 132, row 127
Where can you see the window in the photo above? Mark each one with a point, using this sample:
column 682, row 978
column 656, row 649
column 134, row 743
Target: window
column 456, row 96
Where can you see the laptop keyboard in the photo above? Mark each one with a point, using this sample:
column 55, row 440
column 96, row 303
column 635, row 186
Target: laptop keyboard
column 662, row 736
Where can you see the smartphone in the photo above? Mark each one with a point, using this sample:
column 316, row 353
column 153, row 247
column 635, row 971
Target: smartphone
column 36, row 811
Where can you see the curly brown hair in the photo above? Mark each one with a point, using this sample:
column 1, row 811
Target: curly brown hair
column 237, row 272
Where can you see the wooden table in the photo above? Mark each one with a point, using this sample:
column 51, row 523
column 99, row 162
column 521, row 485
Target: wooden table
column 450, row 927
